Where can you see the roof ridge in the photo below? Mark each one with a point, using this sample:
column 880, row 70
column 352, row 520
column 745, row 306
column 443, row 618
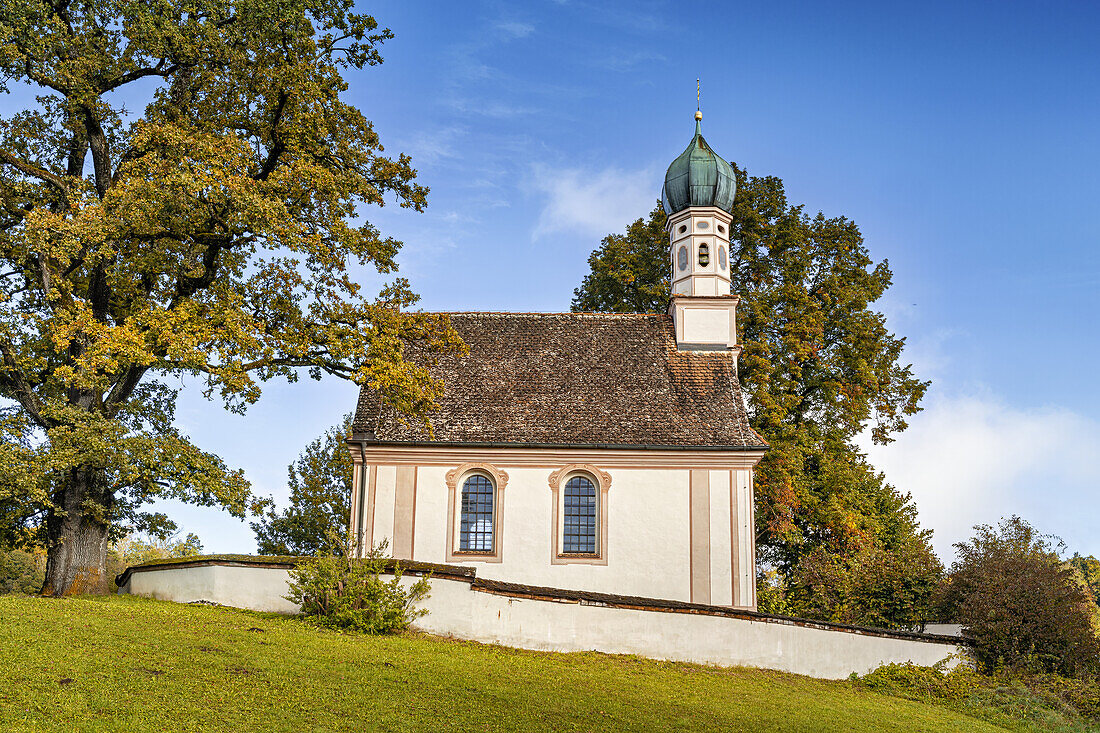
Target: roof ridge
column 548, row 313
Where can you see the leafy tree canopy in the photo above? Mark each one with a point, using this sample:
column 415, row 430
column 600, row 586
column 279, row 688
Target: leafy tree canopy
column 320, row 491
column 818, row 366
column 212, row 234
column 1089, row 568
column 1020, row 604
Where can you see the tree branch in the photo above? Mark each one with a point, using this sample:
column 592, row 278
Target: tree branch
column 29, row 169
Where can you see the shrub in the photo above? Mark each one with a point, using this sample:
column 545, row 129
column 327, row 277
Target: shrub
column 343, row 592
column 21, row 572
column 1020, row 605
column 1049, row 701
column 872, row 586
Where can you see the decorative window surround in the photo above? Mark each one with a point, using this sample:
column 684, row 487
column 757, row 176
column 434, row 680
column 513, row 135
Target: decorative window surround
column 455, row 479
column 602, row 481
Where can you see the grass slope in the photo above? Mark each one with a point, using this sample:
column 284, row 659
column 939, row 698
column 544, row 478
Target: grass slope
column 125, row 663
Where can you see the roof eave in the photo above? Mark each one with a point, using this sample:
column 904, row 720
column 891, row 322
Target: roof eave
column 362, row 439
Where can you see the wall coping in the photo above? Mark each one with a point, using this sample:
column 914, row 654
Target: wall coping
column 560, row 595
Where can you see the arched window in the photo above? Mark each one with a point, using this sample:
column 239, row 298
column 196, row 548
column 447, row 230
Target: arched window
column 476, row 522
column 580, row 517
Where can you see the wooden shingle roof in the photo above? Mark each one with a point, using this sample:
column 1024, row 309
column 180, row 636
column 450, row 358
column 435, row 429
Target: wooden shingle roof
column 570, row 379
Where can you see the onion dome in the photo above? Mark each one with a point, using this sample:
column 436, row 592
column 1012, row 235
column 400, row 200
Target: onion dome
column 698, row 177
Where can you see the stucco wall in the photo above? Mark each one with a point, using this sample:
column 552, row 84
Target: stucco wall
column 255, row 588
column 672, row 532
column 457, row 607
column 647, row 523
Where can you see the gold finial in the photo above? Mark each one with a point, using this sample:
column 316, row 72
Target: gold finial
column 698, row 115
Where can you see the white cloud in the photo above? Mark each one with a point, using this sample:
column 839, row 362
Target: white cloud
column 592, row 203
column 971, row 459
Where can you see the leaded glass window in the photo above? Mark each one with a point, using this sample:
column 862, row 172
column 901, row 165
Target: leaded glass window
column 579, row 528
column 476, row 522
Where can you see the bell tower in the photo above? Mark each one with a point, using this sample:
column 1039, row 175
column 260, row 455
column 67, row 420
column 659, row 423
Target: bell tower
column 698, row 198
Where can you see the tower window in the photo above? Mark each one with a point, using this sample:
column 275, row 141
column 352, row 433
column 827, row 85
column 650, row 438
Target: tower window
column 703, row 225
column 704, row 255
column 722, row 258
column 476, row 523
column 721, row 229
column 683, row 228
column 682, row 258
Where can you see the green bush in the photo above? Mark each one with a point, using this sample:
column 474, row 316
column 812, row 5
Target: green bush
column 1020, row 604
column 342, row 592
column 1046, row 701
column 21, row 572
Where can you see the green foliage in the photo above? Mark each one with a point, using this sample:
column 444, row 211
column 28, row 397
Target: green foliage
column 771, row 596
column 892, row 589
column 629, row 273
column 211, row 230
column 818, row 366
column 134, row 550
column 1040, row 701
column 21, row 571
column 1089, row 568
column 342, row 592
column 1020, row 604
column 320, row 489
column 170, row 666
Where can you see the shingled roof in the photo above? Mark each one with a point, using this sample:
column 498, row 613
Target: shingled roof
column 565, row 379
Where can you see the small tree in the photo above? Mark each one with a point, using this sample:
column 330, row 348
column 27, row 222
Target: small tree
column 342, row 592
column 1020, row 604
column 320, row 489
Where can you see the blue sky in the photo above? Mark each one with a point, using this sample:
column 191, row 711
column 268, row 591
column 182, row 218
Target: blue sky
column 963, row 138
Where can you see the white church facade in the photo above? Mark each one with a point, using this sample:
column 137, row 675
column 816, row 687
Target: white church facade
column 586, row 451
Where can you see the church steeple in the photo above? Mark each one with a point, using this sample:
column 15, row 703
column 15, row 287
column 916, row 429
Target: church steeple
column 698, row 198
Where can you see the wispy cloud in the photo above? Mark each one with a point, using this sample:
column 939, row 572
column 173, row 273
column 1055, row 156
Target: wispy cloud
column 971, row 458
column 515, row 29
column 630, row 60
column 592, row 202
column 428, row 147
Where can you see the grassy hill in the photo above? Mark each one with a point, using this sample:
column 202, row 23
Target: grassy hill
column 125, row 663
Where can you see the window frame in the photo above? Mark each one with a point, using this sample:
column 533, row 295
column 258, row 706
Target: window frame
column 601, row 481
column 456, row 479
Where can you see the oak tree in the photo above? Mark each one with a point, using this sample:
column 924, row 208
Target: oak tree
column 183, row 198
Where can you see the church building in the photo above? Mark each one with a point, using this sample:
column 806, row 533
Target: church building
column 600, row 452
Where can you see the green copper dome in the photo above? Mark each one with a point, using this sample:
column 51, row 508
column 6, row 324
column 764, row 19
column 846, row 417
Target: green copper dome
column 698, row 177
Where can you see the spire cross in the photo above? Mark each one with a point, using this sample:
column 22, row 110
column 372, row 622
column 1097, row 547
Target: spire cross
column 697, row 89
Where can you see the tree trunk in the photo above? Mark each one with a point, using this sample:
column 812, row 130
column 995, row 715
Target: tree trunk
column 76, row 559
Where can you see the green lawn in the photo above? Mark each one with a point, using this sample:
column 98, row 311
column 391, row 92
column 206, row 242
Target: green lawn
column 131, row 664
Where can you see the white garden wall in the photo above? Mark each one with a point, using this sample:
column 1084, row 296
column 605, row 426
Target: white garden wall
column 566, row 621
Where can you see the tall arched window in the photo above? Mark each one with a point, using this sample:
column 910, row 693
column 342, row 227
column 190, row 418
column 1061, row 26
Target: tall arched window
column 580, row 517
column 476, row 523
